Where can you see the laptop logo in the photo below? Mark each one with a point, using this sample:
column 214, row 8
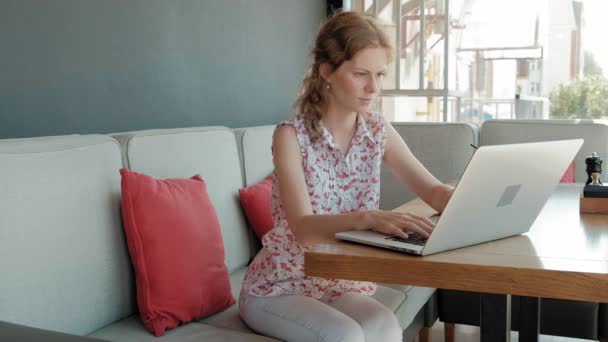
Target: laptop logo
column 508, row 195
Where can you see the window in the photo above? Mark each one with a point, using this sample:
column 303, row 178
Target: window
column 455, row 61
column 417, row 86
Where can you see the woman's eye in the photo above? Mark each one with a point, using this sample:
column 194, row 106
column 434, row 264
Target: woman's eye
column 359, row 74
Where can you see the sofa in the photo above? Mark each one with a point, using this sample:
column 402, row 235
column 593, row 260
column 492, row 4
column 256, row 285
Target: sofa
column 66, row 270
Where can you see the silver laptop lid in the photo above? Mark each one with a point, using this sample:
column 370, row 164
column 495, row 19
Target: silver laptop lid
column 501, row 192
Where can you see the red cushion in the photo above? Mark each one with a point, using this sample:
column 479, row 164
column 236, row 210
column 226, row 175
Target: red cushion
column 176, row 248
column 255, row 200
column 568, row 177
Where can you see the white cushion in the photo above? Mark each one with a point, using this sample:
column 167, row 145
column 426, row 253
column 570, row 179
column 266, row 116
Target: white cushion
column 132, row 330
column 63, row 258
column 212, row 153
column 256, row 145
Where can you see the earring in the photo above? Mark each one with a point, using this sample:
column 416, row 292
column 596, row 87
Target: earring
column 328, row 85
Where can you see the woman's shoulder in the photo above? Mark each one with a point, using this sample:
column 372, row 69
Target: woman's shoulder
column 284, row 130
column 295, row 122
column 292, row 129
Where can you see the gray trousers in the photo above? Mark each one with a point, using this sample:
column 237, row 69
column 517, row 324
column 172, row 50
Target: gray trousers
column 351, row 317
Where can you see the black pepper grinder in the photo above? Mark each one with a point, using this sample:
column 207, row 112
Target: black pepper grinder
column 594, row 169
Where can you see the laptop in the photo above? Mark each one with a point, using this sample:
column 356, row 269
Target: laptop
column 500, row 194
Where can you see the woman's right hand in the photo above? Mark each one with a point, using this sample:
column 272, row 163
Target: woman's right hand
column 395, row 223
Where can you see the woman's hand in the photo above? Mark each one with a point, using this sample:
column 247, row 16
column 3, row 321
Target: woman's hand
column 395, row 223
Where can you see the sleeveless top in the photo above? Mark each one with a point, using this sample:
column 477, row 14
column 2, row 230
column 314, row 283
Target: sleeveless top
column 336, row 184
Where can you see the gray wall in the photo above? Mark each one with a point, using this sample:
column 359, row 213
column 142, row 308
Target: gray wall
column 100, row 66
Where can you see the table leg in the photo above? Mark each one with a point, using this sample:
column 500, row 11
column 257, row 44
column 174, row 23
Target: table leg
column 529, row 321
column 495, row 319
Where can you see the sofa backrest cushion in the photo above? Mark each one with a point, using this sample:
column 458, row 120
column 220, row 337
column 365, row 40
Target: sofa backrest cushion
column 495, row 132
column 209, row 151
column 256, row 145
column 64, row 263
column 443, row 148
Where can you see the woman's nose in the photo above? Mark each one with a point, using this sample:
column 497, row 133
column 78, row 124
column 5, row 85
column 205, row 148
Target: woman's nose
column 373, row 85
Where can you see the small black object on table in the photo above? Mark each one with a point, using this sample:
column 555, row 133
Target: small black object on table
column 595, row 194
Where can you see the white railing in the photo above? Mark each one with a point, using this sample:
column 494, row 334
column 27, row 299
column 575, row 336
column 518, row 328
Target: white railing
column 478, row 110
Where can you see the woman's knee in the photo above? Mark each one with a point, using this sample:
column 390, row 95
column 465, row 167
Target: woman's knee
column 345, row 330
column 378, row 322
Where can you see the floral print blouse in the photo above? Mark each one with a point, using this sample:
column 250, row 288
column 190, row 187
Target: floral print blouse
column 336, row 184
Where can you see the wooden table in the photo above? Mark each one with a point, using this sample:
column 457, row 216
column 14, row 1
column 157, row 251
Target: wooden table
column 564, row 256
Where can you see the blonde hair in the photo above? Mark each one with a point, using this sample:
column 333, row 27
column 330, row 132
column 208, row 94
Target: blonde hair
column 338, row 40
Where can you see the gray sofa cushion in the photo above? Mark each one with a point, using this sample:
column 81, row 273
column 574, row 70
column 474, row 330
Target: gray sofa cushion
column 230, row 318
column 213, row 153
column 443, row 148
column 21, row 333
column 131, row 329
column 256, row 145
column 256, row 161
column 63, row 257
column 495, row 132
column 417, row 297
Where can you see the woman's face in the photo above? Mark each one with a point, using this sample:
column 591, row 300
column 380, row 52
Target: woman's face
column 357, row 82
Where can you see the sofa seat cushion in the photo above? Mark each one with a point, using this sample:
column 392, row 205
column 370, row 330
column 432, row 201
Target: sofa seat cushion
column 405, row 301
column 390, row 297
column 230, row 318
column 131, row 329
column 22, row 333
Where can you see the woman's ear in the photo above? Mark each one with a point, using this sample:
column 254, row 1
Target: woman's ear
column 325, row 70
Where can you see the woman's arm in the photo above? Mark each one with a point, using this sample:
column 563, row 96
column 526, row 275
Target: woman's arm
column 404, row 165
column 309, row 228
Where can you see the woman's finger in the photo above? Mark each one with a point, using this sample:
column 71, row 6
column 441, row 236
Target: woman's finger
column 420, row 222
column 394, row 230
column 425, row 219
column 412, row 226
column 424, row 225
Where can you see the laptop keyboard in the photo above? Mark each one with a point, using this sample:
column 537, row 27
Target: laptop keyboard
column 412, row 238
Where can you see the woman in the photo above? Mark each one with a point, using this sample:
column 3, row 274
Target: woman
column 326, row 180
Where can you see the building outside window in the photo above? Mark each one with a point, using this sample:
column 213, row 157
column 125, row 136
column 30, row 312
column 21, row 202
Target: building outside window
column 474, row 60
